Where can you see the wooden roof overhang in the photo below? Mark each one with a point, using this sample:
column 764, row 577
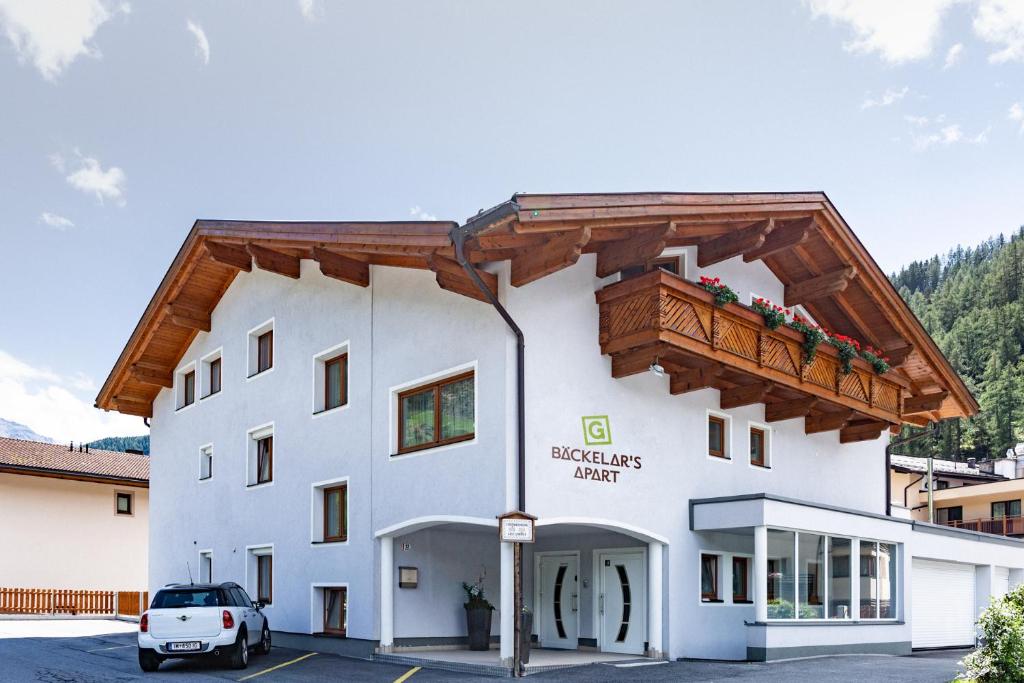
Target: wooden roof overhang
column 800, row 237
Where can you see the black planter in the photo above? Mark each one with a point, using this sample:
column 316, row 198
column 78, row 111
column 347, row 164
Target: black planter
column 478, row 626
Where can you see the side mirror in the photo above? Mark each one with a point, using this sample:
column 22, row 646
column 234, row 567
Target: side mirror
column 258, row 605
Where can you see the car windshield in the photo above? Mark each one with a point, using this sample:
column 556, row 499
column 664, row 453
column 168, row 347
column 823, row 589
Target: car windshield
column 187, row 597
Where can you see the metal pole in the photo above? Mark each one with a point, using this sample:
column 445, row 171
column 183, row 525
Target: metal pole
column 517, row 654
column 931, row 498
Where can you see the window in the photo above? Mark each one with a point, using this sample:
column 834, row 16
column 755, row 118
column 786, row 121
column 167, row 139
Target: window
column 839, row 585
column 265, row 579
column 941, row 485
column 335, row 610
column 261, row 349
column 206, row 566
column 264, row 460
column 330, row 379
column 811, row 577
column 206, row 462
column 740, row 579
column 260, row 458
column 336, row 513
column 190, row 388
column 671, row 264
column 877, row 580
column 709, row 578
column 949, row 515
column 214, row 376
column 1006, row 508
column 757, row 447
column 781, row 574
column 185, row 386
column 123, row 503
column 716, row 436
column 437, row 414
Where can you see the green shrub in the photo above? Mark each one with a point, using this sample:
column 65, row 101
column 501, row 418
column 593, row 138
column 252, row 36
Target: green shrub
column 1000, row 657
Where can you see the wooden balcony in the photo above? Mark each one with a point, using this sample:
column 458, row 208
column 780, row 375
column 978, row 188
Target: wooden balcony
column 660, row 316
column 1000, row 526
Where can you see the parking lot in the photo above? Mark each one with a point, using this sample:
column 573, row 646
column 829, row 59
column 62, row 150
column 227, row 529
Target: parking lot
column 95, row 651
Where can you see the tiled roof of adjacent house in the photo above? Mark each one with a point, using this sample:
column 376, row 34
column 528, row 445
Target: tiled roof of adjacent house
column 49, row 458
column 939, row 466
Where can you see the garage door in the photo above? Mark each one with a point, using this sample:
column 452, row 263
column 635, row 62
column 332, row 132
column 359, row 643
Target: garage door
column 943, row 604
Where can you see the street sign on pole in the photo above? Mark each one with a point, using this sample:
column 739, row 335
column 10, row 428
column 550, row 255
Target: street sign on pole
column 517, row 527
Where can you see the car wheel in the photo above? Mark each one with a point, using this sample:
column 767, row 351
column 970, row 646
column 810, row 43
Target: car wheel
column 148, row 660
column 240, row 657
column 264, row 647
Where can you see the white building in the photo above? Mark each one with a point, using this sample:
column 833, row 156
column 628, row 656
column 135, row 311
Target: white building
column 716, row 507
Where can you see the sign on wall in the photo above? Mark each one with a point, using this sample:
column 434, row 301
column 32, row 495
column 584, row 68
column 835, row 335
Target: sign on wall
column 516, row 527
column 597, row 465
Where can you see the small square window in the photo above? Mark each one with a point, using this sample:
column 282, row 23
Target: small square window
column 758, row 447
column 716, row 436
column 335, row 372
column 123, row 503
column 206, row 566
column 709, row 578
column 336, row 513
column 264, row 460
column 214, row 376
column 185, row 386
column 206, row 462
column 261, row 349
column 335, row 610
column 190, row 388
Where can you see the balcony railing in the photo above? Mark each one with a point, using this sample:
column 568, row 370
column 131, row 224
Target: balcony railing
column 660, row 310
column 1001, row 526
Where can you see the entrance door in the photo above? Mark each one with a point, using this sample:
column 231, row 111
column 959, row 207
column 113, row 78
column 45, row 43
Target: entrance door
column 557, row 618
column 622, row 601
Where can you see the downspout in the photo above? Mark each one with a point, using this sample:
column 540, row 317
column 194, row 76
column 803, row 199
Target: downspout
column 907, row 488
column 458, row 236
column 932, row 431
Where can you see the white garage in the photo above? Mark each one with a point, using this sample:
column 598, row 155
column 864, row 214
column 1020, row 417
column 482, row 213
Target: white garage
column 943, row 612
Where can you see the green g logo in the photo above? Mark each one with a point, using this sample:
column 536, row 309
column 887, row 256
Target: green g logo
column 596, row 430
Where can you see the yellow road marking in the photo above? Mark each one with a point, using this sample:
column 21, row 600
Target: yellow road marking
column 407, row 675
column 279, row 666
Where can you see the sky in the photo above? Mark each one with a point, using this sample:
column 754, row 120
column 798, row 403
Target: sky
column 121, row 123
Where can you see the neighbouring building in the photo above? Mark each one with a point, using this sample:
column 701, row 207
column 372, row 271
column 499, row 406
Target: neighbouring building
column 335, row 425
column 73, row 519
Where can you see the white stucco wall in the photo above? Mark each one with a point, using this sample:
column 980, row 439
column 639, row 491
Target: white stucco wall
column 60, row 533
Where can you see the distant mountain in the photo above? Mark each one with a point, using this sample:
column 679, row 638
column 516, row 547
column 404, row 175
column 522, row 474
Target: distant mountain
column 122, row 443
column 15, row 430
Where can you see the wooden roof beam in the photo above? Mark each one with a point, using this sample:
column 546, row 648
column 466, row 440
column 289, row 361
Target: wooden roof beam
column 342, row 268
column 784, row 236
column 146, row 376
column 229, row 255
column 647, row 245
column 133, row 407
column 924, row 403
column 744, row 395
column 827, row 422
column 557, row 253
column 452, row 277
column 733, row 244
column 189, row 318
column 274, row 261
column 868, row 430
column 694, row 379
column 788, row 410
column 898, row 355
column 819, row 287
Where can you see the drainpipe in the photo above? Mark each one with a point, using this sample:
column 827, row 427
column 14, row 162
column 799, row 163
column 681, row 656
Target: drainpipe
column 907, row 488
column 933, row 430
column 459, row 236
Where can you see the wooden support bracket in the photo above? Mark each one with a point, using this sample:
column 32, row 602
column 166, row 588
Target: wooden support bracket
column 784, row 236
column 743, row 395
column 827, row 422
column 452, row 277
column 734, row 243
column 819, row 287
column 344, row 268
column 229, row 255
column 788, row 410
column 559, row 252
column 274, row 261
column 637, row 250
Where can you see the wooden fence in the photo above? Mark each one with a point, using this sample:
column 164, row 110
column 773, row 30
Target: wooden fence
column 60, row 601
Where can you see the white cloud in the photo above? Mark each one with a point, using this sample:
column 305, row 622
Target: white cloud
column 51, row 33
column 1002, row 22
column 1016, row 114
column 311, row 9
column 421, row 215
column 90, row 177
column 899, row 32
column 202, row 44
column 916, row 120
column 56, row 221
column 948, row 136
column 889, row 97
column 953, row 56
column 57, row 406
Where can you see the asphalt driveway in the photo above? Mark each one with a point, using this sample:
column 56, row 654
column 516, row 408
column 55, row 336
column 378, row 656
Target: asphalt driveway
column 91, row 652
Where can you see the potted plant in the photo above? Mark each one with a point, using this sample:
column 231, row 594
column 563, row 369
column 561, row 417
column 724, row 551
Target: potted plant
column 478, row 616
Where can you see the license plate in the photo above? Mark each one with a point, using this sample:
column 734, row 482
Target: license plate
column 190, row 646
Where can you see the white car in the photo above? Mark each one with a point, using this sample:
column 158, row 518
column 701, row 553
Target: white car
column 190, row 620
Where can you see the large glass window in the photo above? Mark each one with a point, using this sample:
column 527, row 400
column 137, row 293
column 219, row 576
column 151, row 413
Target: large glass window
column 781, row 575
column 811, row 558
column 1006, row 508
column 868, row 582
column 886, row 581
column 839, row 586
column 877, row 580
column 437, row 414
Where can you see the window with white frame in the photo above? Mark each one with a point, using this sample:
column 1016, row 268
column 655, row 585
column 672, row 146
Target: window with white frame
column 206, row 461
column 330, row 511
column 260, row 461
column 436, row 413
column 718, row 428
column 261, row 349
column 330, row 609
column 206, row 566
column 330, row 379
column 210, row 369
column 185, row 386
column 260, row 573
